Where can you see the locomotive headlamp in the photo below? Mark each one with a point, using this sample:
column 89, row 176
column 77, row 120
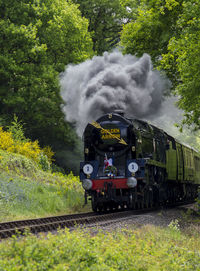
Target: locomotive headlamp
column 131, row 182
column 133, row 167
column 87, row 184
column 88, row 169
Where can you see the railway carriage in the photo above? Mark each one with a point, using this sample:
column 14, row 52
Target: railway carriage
column 129, row 163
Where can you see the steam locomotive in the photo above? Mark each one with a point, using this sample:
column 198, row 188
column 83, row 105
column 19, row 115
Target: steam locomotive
column 129, row 163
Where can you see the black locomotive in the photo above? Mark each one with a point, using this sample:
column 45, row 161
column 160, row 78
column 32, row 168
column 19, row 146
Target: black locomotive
column 130, row 163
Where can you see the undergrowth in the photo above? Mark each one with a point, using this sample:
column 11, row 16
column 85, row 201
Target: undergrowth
column 27, row 191
column 147, row 248
column 13, row 140
column 22, row 198
column 28, row 188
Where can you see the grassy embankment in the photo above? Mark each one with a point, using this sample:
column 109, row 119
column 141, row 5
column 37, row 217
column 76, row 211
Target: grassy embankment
column 28, row 189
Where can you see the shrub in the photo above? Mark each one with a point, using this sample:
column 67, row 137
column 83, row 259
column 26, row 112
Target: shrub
column 44, row 163
column 16, row 142
column 67, row 182
column 17, row 130
column 49, row 153
column 56, row 168
column 6, row 140
column 29, row 149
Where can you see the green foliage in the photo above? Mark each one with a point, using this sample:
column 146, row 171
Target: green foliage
column 22, row 198
column 28, row 191
column 37, row 40
column 169, row 30
column 190, row 138
column 17, row 130
column 148, row 248
column 16, row 142
column 183, row 56
column 198, row 201
column 44, row 162
column 151, row 27
column 55, row 168
column 19, row 165
column 22, row 166
column 105, row 22
column 2, row 121
column 174, row 225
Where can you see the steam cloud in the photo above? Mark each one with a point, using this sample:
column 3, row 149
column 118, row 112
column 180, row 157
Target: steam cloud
column 109, row 82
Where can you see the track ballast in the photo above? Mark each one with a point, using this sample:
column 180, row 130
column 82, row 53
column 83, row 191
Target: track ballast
column 53, row 223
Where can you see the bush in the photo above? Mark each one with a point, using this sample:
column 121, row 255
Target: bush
column 17, row 130
column 15, row 142
column 56, row 168
column 6, row 140
column 44, row 163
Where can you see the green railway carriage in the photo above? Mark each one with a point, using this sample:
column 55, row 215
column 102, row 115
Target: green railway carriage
column 183, row 163
column 131, row 163
column 197, row 167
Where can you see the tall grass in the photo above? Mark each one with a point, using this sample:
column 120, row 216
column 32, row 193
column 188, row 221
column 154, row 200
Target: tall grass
column 28, row 188
column 27, row 191
column 20, row 198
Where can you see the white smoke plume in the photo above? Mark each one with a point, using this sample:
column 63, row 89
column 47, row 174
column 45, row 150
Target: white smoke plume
column 109, row 82
column 168, row 116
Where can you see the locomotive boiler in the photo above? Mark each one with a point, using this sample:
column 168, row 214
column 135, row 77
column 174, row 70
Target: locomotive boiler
column 129, row 163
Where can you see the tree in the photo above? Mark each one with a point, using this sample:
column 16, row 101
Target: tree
column 182, row 62
column 37, row 40
column 169, row 31
column 152, row 25
column 105, row 22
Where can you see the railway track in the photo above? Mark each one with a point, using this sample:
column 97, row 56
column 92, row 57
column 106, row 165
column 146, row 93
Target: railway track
column 7, row 229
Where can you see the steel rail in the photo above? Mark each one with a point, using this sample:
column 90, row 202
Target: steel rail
column 7, row 229
column 27, row 222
